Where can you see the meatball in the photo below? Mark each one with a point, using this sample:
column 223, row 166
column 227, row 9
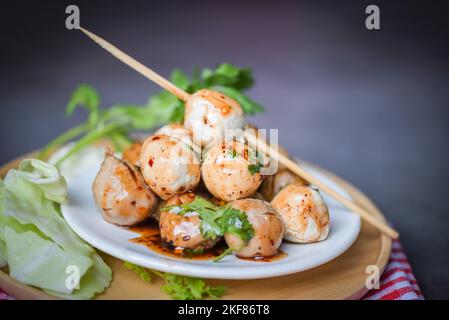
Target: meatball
column 180, row 132
column 121, row 193
column 132, row 153
column 183, row 231
column 273, row 184
column 304, row 213
column 230, row 171
column 209, row 113
column 169, row 166
column 268, row 230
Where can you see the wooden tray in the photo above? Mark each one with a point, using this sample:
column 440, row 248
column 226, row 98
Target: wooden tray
column 341, row 278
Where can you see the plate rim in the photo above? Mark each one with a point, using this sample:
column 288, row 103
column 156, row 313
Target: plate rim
column 22, row 291
column 207, row 271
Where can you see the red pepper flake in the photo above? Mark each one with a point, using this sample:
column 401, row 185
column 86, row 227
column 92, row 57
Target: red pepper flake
column 245, row 154
column 155, row 138
column 150, row 162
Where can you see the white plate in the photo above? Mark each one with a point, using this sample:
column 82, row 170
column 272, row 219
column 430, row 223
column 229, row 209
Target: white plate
column 86, row 220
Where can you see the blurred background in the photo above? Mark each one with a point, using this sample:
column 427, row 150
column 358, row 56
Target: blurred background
column 371, row 106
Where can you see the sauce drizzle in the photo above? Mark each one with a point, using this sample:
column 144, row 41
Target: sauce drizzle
column 150, row 237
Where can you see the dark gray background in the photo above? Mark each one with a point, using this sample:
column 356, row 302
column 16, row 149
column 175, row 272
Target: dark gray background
column 372, row 106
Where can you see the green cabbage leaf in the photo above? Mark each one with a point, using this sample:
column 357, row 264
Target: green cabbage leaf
column 36, row 243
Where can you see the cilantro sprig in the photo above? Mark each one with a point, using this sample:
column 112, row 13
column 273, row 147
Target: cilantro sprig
column 256, row 161
column 217, row 221
column 118, row 121
column 179, row 287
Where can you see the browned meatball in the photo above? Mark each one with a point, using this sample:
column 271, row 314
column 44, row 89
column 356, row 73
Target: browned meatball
column 229, row 173
column 121, row 192
column 132, row 153
column 273, row 184
column 183, row 231
column 304, row 213
column 169, row 166
column 268, row 229
column 209, row 113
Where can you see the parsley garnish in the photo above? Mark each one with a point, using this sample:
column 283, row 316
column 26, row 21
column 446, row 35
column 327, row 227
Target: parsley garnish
column 254, row 168
column 179, row 287
column 216, row 221
column 118, row 121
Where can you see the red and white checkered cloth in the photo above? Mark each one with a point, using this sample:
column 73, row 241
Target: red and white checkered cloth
column 396, row 283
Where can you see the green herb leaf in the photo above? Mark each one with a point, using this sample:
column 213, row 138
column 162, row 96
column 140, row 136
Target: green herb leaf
column 180, row 287
column 229, row 75
column 208, row 212
column 216, row 221
column 255, row 168
column 225, row 253
column 118, row 121
column 180, row 79
column 177, row 115
column 140, row 271
column 248, row 106
column 236, row 222
column 87, row 97
column 188, row 288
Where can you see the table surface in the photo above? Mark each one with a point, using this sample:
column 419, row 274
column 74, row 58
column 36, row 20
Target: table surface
column 371, row 106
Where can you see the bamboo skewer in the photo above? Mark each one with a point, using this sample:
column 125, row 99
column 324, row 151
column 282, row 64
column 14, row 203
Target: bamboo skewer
column 261, row 145
column 136, row 65
column 251, row 138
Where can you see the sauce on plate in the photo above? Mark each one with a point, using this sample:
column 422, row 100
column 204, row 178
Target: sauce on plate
column 150, row 237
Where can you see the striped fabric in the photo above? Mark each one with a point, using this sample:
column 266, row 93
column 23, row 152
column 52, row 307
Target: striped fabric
column 397, row 281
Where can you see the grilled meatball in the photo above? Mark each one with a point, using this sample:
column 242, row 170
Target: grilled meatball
column 121, row 193
column 182, row 231
column 180, row 132
column 209, row 113
column 304, row 213
column 169, row 166
column 132, row 153
column 230, row 171
column 273, row 184
column 268, row 229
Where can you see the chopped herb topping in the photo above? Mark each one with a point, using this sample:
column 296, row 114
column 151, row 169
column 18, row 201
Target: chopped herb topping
column 215, row 220
column 254, row 168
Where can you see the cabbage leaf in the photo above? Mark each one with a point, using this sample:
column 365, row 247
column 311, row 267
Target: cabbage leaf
column 35, row 241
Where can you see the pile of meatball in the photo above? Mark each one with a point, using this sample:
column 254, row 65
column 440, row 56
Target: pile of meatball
column 179, row 162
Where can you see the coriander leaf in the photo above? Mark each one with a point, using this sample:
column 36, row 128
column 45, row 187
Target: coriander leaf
column 63, row 138
column 140, row 271
column 120, row 140
column 236, row 222
column 177, row 115
column 228, row 70
column 180, row 79
column 179, row 287
column 215, row 292
column 190, row 253
column 245, row 79
column 208, row 213
column 229, row 75
column 189, row 288
column 216, row 221
column 249, row 106
column 87, row 97
column 225, row 253
column 254, row 168
column 118, row 121
column 88, row 139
